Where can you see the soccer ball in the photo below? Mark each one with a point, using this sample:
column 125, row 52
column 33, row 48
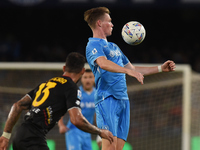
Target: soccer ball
column 133, row 33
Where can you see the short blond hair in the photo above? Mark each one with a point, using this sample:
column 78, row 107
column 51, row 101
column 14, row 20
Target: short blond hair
column 92, row 15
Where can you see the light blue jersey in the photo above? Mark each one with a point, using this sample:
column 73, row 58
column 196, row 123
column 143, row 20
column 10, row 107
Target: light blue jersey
column 107, row 83
column 111, row 98
column 87, row 107
column 77, row 139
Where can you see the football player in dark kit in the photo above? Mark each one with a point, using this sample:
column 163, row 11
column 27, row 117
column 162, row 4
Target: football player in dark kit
column 47, row 103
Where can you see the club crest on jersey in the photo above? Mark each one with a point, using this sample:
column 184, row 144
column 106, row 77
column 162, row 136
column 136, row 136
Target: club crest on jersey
column 105, row 127
column 94, row 51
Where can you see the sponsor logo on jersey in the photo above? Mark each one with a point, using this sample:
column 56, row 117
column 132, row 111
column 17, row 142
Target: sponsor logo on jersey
column 49, row 114
column 36, row 110
column 87, row 105
column 115, row 53
column 112, row 54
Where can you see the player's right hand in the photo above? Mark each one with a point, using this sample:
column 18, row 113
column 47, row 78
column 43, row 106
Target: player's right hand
column 106, row 135
column 3, row 143
column 137, row 75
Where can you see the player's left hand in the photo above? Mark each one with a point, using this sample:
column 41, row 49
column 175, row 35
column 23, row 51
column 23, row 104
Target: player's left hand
column 3, row 143
column 106, row 135
column 168, row 66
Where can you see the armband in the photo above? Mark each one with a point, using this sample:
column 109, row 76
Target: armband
column 159, row 68
column 6, row 135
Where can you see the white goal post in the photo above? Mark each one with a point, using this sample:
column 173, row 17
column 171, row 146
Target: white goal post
column 186, row 81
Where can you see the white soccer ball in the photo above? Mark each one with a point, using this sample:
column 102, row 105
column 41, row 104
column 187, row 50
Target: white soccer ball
column 133, row 33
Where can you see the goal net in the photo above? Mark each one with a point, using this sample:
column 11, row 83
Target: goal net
column 164, row 111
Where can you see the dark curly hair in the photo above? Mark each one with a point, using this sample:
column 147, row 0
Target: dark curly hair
column 74, row 62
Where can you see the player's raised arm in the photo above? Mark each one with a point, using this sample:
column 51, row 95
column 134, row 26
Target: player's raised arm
column 80, row 122
column 165, row 67
column 13, row 116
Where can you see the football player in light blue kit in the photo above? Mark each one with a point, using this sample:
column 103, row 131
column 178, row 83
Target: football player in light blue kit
column 77, row 139
column 110, row 65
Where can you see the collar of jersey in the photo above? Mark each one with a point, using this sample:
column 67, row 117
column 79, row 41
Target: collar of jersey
column 81, row 88
column 66, row 76
column 97, row 39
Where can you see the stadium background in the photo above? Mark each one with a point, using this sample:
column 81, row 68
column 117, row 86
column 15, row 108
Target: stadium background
column 47, row 30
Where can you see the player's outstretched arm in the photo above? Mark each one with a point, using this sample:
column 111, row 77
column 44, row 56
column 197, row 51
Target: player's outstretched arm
column 13, row 116
column 165, row 67
column 81, row 122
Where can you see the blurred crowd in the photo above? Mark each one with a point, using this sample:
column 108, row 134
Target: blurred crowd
column 48, row 35
column 12, row 50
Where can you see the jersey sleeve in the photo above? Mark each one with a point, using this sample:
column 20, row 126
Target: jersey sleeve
column 33, row 92
column 73, row 98
column 125, row 60
column 93, row 51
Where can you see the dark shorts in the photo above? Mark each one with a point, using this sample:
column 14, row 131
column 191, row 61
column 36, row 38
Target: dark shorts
column 29, row 137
